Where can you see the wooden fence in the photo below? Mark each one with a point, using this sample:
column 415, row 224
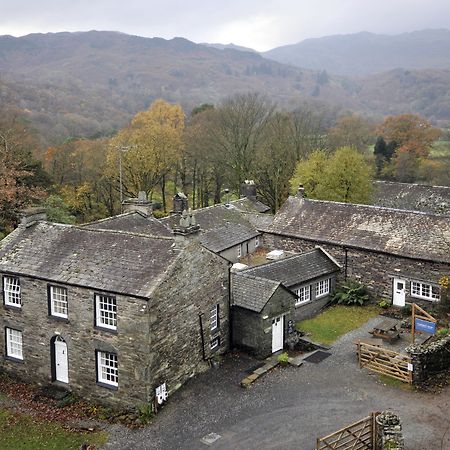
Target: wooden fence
column 360, row 435
column 385, row 362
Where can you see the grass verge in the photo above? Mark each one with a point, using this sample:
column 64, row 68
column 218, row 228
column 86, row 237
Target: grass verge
column 336, row 321
column 24, row 432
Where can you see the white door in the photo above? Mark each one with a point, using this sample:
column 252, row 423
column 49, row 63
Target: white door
column 399, row 292
column 277, row 334
column 61, row 360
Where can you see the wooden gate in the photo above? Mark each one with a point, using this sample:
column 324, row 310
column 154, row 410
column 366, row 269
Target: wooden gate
column 357, row 436
column 385, row 362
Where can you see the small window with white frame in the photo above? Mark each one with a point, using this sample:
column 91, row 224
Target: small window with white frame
column 303, row 295
column 215, row 343
column 322, row 288
column 214, row 317
column 107, row 368
column 58, row 301
column 105, row 311
column 11, row 291
column 14, row 343
column 256, row 241
column 425, row 291
column 239, row 250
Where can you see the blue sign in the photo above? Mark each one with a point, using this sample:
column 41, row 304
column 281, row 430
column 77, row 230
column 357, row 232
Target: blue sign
column 425, row 326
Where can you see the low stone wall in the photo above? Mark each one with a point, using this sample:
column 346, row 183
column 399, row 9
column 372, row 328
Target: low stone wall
column 429, row 359
column 389, row 435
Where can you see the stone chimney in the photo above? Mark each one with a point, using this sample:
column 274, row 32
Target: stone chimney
column 29, row 216
column 140, row 204
column 248, row 189
column 301, row 191
column 180, row 203
column 187, row 229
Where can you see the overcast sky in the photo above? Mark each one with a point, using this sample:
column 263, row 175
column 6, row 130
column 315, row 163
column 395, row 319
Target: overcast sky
column 259, row 24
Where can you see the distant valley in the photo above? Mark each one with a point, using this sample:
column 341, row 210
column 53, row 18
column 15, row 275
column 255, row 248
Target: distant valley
column 91, row 83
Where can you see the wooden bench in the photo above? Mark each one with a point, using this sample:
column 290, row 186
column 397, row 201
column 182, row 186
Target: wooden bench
column 386, row 330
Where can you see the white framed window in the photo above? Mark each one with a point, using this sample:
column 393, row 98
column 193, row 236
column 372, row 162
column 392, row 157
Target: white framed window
column 303, row 295
column 215, row 343
column 214, row 317
column 14, row 343
column 107, row 368
column 58, row 301
column 11, row 291
column 239, row 250
column 322, row 288
column 424, row 291
column 105, row 311
column 256, row 241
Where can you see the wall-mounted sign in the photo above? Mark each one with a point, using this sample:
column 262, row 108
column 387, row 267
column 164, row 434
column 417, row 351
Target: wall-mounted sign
column 425, row 326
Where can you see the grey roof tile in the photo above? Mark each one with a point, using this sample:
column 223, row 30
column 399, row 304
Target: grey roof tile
column 106, row 260
column 228, row 236
column 296, row 269
column 251, row 292
column 398, row 232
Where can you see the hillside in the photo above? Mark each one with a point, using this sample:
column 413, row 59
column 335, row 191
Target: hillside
column 367, row 53
column 89, row 84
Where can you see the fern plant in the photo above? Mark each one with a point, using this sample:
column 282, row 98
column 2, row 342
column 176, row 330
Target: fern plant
column 350, row 293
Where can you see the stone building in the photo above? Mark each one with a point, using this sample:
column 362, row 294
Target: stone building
column 400, row 255
column 267, row 297
column 110, row 314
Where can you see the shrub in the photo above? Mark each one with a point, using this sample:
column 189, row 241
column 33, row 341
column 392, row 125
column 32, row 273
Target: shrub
column 283, row 359
column 350, row 293
column 443, row 332
column 383, row 304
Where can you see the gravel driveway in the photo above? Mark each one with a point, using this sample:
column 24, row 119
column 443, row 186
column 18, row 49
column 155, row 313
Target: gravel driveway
column 288, row 408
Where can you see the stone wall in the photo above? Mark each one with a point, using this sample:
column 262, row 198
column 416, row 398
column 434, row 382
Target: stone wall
column 194, row 284
column 389, row 435
column 429, row 359
column 83, row 339
column 374, row 270
column 252, row 331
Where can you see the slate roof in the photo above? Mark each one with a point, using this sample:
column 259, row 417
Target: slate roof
column 105, row 260
column 413, row 197
column 247, row 204
column 133, row 222
column 228, row 236
column 404, row 233
column 252, row 292
column 212, row 217
column 295, row 269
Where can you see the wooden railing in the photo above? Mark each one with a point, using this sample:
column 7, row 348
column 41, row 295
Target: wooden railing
column 385, row 362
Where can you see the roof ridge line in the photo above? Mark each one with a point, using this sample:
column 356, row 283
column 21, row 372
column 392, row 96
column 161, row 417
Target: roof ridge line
column 127, row 233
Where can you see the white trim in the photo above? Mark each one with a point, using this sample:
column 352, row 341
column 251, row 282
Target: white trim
column 107, row 368
column 239, row 250
column 256, row 241
column 106, row 311
column 424, row 291
column 303, row 295
column 58, row 301
column 214, row 317
column 215, row 343
column 11, row 291
column 14, row 344
column 323, row 288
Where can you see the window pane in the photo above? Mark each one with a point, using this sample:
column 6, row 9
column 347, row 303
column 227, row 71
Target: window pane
column 214, row 317
column 106, row 311
column 12, row 291
column 14, row 343
column 58, row 301
column 108, row 368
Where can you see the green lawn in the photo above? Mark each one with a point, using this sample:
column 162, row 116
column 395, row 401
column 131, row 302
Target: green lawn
column 336, row 321
column 23, row 432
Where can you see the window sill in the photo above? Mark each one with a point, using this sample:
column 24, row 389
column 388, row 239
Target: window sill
column 12, row 307
column 429, row 299
column 215, row 331
column 298, row 305
column 11, row 358
column 108, row 386
column 322, row 295
column 106, row 330
column 59, row 319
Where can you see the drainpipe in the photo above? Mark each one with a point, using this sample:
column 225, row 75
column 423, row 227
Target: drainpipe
column 230, row 310
column 202, row 336
column 345, row 262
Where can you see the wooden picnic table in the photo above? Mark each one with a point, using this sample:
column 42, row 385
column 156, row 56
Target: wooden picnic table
column 386, row 329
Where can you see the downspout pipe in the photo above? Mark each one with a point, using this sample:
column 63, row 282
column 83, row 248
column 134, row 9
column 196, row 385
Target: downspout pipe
column 202, row 336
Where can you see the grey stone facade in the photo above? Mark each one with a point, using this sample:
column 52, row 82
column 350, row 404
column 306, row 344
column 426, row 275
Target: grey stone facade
column 252, row 331
column 163, row 332
column 376, row 270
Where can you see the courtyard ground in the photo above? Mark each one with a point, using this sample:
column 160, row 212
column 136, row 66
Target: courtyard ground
column 289, row 407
